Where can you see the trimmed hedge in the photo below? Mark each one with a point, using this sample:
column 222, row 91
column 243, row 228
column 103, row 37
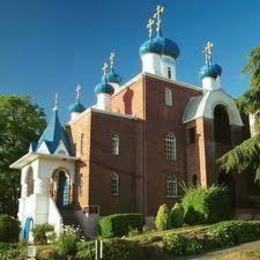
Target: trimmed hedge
column 205, row 205
column 9, row 229
column 118, row 225
column 223, row 234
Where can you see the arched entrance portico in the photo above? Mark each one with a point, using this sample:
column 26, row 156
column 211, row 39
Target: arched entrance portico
column 60, row 188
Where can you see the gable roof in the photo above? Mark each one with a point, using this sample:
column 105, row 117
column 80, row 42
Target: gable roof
column 54, row 134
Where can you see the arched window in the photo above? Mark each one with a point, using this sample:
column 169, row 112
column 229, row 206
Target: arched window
column 114, row 184
column 171, row 186
column 115, row 144
column 169, row 73
column 170, row 146
column 222, row 131
column 168, row 97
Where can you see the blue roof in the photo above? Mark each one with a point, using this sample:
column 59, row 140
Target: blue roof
column 76, row 107
column 212, row 71
column 113, row 77
column 54, row 134
column 160, row 45
column 104, row 87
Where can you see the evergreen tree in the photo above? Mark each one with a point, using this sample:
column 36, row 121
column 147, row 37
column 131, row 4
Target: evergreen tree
column 246, row 156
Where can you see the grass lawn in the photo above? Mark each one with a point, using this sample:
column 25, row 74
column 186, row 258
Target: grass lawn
column 153, row 236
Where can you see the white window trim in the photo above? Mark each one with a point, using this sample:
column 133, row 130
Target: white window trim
column 168, row 98
column 115, row 144
column 114, row 178
column 170, row 150
column 171, row 179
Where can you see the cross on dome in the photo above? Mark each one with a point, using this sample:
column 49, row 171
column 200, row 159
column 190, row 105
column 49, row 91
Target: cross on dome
column 79, row 92
column 56, row 102
column 158, row 17
column 207, row 51
column 105, row 67
column 150, row 27
column 112, row 59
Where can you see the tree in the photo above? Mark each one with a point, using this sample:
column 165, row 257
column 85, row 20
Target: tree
column 246, row 156
column 163, row 218
column 20, row 123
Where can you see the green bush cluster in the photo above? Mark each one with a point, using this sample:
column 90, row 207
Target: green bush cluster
column 9, row 229
column 163, row 218
column 118, row 225
column 205, row 205
column 40, row 233
column 222, row 234
column 177, row 215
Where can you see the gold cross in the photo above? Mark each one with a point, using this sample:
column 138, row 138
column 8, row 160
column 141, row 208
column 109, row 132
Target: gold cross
column 150, row 27
column 79, row 92
column 112, row 59
column 158, row 17
column 207, row 51
column 105, row 67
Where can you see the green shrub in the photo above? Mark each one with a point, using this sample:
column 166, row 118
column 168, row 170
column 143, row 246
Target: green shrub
column 211, row 204
column 118, row 225
column 121, row 249
column 9, row 229
column 67, row 241
column 86, row 250
column 40, row 233
column 234, row 232
column 180, row 245
column 163, row 218
column 177, row 215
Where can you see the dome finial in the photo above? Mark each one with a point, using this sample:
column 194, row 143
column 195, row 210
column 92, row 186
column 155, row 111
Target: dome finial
column 105, row 67
column 207, row 51
column 56, row 102
column 79, row 93
column 149, row 26
column 158, row 18
column 112, row 59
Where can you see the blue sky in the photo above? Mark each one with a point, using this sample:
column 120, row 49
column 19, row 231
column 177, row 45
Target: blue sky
column 50, row 46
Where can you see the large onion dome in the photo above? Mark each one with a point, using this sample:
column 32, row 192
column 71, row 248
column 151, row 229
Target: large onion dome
column 212, row 71
column 160, row 45
column 104, row 88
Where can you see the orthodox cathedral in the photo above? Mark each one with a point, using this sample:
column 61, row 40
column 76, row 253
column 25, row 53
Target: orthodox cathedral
column 132, row 150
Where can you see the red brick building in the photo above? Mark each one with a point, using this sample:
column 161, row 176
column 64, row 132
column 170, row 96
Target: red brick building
column 132, row 150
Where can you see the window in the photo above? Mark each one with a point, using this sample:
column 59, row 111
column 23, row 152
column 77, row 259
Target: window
column 194, row 180
column 171, row 186
column 170, row 147
column 30, row 182
column 169, row 73
column 115, row 144
column 82, row 144
column 114, row 184
column 80, row 184
column 192, row 135
column 168, row 97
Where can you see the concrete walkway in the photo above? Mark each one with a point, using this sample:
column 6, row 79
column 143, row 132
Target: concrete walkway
column 220, row 253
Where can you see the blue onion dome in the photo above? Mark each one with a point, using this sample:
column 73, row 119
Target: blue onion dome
column 208, row 71
column 160, row 45
column 113, row 77
column 76, row 108
column 104, row 87
column 218, row 68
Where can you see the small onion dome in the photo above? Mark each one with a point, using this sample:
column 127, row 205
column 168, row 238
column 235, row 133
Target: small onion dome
column 105, row 88
column 218, row 68
column 212, row 71
column 76, row 108
column 113, row 77
column 160, row 45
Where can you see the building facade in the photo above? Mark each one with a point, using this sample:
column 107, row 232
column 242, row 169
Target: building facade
column 132, row 150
